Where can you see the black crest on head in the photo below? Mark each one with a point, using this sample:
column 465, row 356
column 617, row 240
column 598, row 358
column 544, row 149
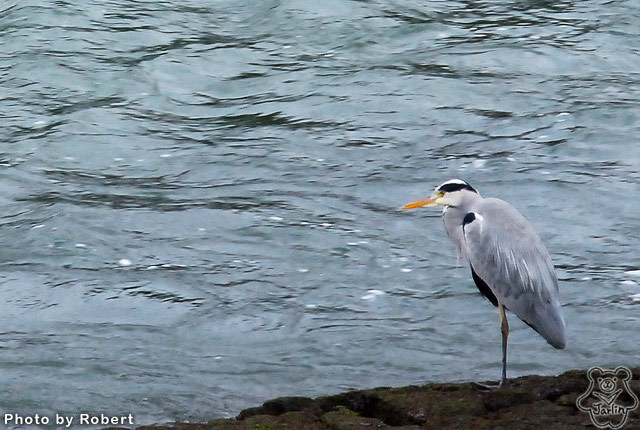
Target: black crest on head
column 449, row 187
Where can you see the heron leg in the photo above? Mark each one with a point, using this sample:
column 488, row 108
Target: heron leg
column 504, row 328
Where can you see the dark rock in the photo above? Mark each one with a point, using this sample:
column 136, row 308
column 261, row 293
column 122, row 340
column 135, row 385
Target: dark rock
column 279, row 406
column 502, row 398
column 529, row 402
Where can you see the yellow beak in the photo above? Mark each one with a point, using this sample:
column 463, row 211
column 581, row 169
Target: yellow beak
column 419, row 203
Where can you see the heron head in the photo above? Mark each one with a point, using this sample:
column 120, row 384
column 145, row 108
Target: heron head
column 450, row 193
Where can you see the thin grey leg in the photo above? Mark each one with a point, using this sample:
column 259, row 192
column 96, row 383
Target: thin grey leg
column 504, row 328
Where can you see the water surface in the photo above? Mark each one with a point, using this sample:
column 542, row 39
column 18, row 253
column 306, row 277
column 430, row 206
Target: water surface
column 199, row 201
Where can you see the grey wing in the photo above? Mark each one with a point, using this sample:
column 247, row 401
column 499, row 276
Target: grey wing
column 507, row 254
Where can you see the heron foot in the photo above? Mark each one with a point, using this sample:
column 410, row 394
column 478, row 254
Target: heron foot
column 485, row 387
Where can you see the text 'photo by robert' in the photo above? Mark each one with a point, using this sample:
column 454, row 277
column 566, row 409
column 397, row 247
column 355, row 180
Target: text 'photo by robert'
column 67, row 420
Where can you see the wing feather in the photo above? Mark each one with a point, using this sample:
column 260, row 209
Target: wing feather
column 507, row 254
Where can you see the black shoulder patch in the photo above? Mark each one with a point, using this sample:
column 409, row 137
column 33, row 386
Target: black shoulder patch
column 484, row 288
column 455, row 186
column 468, row 218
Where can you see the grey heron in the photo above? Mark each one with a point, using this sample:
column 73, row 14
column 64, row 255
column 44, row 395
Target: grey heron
column 509, row 263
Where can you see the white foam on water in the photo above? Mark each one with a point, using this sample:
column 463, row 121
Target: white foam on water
column 372, row 294
column 479, row 164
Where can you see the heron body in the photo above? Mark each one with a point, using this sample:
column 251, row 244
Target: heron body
column 509, row 263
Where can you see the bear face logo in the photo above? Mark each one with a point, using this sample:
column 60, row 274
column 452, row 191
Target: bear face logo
column 609, row 399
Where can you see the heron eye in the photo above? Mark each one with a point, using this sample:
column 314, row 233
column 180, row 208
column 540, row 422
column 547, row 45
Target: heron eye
column 439, row 194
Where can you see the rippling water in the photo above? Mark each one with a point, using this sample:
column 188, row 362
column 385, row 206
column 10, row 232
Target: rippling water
column 199, row 200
